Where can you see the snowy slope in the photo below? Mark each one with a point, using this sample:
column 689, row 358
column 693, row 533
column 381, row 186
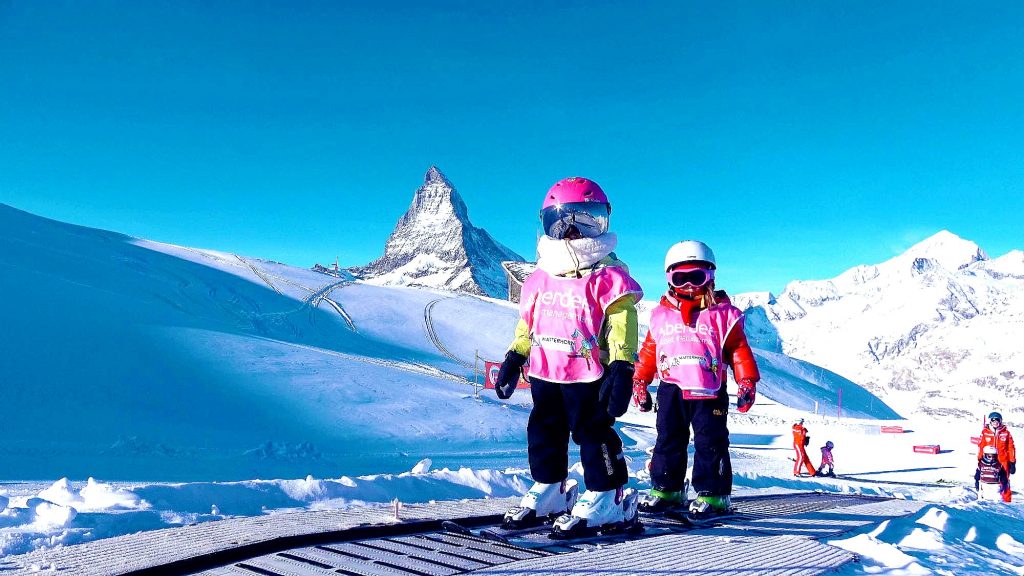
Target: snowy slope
column 126, row 358
column 934, row 330
column 435, row 245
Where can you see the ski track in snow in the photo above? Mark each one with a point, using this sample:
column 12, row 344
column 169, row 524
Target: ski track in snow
column 428, row 325
column 258, row 273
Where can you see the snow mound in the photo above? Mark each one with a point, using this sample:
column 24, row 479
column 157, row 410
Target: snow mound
column 94, row 496
column 970, row 538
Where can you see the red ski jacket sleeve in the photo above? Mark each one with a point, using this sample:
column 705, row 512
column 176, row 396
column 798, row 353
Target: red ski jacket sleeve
column 737, row 353
column 986, row 439
column 647, row 361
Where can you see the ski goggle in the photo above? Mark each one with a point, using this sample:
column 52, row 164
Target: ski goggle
column 689, row 277
column 995, row 420
column 590, row 219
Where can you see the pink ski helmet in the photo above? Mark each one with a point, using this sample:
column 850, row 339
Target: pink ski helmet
column 575, row 208
column 574, row 189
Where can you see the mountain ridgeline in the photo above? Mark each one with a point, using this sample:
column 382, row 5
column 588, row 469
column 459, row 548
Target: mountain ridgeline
column 434, row 245
column 936, row 327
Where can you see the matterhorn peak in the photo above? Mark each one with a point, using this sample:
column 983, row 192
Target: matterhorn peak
column 947, row 250
column 436, row 199
column 435, row 245
column 435, row 176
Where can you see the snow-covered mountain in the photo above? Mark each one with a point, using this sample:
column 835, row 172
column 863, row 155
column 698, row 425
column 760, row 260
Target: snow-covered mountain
column 434, row 245
column 935, row 330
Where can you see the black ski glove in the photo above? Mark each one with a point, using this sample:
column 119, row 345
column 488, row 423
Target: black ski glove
column 617, row 387
column 508, row 375
column 1013, row 467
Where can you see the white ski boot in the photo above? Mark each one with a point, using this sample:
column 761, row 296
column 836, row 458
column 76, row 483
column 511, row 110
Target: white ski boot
column 608, row 511
column 542, row 501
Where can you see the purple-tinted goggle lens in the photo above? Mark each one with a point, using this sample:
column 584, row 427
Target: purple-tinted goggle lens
column 590, row 219
column 693, row 277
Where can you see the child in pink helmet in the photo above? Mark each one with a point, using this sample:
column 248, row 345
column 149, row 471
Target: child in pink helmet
column 578, row 328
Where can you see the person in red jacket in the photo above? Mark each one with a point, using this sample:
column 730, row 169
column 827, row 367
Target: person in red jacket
column 800, row 441
column 694, row 332
column 998, row 435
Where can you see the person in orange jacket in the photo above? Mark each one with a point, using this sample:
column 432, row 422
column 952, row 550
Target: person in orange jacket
column 998, row 435
column 694, row 334
column 800, row 441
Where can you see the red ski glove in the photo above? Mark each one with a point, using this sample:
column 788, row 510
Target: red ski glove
column 641, row 396
column 746, row 392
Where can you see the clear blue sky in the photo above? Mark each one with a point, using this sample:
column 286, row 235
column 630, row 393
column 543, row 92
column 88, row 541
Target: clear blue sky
column 798, row 139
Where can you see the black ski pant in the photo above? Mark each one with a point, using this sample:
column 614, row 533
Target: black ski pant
column 712, row 469
column 561, row 410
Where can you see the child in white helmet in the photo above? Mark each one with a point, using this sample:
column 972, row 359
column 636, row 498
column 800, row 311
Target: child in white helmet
column 990, row 477
column 694, row 332
column 578, row 328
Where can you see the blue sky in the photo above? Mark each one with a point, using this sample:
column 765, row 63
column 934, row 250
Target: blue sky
column 798, row 139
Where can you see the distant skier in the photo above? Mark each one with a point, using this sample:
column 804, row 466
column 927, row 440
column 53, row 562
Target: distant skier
column 826, row 460
column 694, row 332
column 579, row 328
column 997, row 435
column 990, row 478
column 800, row 441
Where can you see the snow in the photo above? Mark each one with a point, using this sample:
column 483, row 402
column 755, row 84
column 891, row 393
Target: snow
column 149, row 385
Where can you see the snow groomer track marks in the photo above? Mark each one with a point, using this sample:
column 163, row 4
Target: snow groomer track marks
column 770, row 535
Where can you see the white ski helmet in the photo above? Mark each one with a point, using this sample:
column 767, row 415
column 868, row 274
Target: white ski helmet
column 989, row 450
column 689, row 251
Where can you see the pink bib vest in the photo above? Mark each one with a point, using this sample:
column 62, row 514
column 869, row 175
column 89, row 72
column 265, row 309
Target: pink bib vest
column 565, row 316
column 691, row 356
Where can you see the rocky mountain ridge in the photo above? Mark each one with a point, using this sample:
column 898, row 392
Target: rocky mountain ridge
column 936, row 326
column 434, row 245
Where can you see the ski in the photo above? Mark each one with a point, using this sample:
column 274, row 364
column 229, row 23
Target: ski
column 680, row 517
column 495, row 533
column 694, row 521
column 542, row 535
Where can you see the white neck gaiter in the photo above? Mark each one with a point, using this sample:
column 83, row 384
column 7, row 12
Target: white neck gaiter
column 560, row 257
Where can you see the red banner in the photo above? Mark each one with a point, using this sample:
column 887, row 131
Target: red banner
column 927, row 449
column 491, row 376
column 892, row 429
column 975, row 439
